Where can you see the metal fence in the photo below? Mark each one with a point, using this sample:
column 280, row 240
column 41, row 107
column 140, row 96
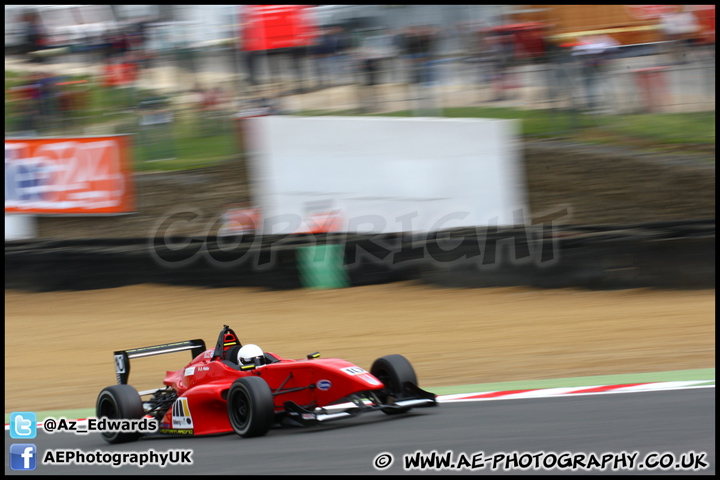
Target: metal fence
column 165, row 126
column 624, row 85
column 167, row 111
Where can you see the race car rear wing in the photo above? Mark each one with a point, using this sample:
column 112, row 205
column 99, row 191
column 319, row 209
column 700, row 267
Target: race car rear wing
column 122, row 357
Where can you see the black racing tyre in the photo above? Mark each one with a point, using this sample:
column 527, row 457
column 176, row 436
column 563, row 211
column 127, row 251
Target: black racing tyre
column 251, row 408
column 119, row 402
column 393, row 371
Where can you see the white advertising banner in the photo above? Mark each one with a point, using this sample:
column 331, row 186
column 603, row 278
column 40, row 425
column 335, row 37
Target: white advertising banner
column 385, row 175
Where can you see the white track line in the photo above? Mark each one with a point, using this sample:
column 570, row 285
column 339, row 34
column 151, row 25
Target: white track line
column 549, row 392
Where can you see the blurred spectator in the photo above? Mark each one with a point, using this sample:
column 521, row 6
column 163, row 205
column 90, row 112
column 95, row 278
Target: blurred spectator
column 506, row 39
column 398, row 39
column 498, row 54
column 115, row 45
column 531, row 41
column 47, row 96
column 432, row 38
column 548, row 46
column 378, row 45
column 193, row 102
column 35, row 101
column 121, row 44
column 268, row 106
column 344, row 47
column 418, row 43
column 679, row 29
column 23, row 101
column 251, row 59
column 297, row 58
column 594, row 54
column 325, row 55
column 466, row 38
column 211, row 106
column 81, row 37
column 485, row 52
column 35, row 37
column 72, row 97
column 367, row 59
column 408, row 46
column 556, row 58
column 142, row 54
column 211, row 99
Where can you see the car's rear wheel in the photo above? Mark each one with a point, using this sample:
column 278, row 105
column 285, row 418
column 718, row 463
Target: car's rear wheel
column 393, row 371
column 251, row 409
column 119, row 402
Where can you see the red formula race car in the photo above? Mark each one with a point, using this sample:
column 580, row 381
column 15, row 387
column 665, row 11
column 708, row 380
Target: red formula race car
column 241, row 389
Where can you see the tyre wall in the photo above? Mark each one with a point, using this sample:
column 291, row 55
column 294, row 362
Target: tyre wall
column 677, row 255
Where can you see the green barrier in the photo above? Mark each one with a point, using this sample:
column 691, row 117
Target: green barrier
column 321, row 266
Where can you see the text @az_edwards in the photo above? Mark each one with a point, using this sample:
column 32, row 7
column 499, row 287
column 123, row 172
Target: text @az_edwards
column 92, row 424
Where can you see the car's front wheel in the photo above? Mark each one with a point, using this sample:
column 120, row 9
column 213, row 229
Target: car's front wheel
column 119, row 402
column 250, row 405
column 393, row 371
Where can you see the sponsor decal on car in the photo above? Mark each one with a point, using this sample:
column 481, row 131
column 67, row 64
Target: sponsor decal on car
column 189, row 371
column 353, row 370
column 370, row 379
column 181, row 417
column 176, row 431
column 324, row 385
column 119, row 364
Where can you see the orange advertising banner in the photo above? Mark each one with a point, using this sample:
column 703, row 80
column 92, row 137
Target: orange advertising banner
column 69, row 176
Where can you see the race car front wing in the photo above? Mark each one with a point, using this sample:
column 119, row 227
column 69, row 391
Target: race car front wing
column 359, row 403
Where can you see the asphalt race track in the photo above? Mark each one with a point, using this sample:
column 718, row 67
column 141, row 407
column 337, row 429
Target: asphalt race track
column 667, row 422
